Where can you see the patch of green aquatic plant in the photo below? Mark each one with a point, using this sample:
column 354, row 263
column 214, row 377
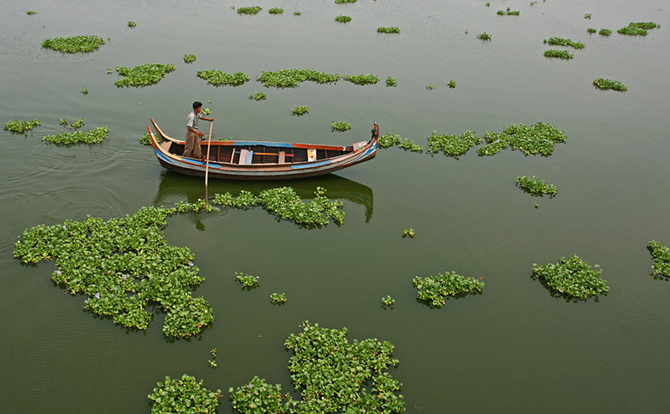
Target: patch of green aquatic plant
column 661, row 256
column 388, row 302
column 343, row 19
column 391, row 29
column 124, row 265
column 605, row 32
column 572, row 277
column 539, row 138
column 409, row 145
column 145, row 139
column 435, row 289
column 276, row 10
column 430, row 87
column 132, row 24
column 408, row 233
column 533, row 3
column 285, row 204
column 340, row 126
column 206, row 111
column 487, row 4
column 93, row 136
column 278, row 298
column 189, row 58
column 300, row 110
column 362, row 80
column 508, row 12
column 451, row 84
column 75, row 44
column 559, row 41
column 258, row 96
column 344, row 1
column 248, row 281
column 63, row 122
column 219, row 78
column 297, row 13
column 185, row 395
column 290, row 78
column 84, row 91
column 31, row 12
column 605, row 84
column 388, row 140
column 76, row 124
column 21, row 127
column 561, row 54
column 452, row 145
column 212, row 362
column 249, row 10
column 535, row 187
column 638, row 28
column 587, row 16
column 484, row 36
column 259, row 397
column 391, row 81
column 591, row 30
column 143, row 75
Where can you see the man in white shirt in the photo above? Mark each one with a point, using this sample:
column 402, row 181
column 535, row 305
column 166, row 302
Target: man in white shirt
column 192, row 148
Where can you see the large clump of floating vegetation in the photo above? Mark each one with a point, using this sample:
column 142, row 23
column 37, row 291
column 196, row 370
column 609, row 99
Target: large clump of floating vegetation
column 185, row 395
column 290, row 78
column 143, row 75
column 124, row 265
column 661, row 256
column 74, row 44
column 638, row 28
column 606, row 84
column 368, row 79
column 435, row 289
column 535, row 187
column 93, row 136
column 572, row 278
column 559, row 41
column 560, row 54
column 539, row 138
column 332, row 374
column 219, row 78
column 249, row 10
column 452, row 145
column 21, row 127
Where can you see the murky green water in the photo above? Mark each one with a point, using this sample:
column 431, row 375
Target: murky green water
column 515, row 348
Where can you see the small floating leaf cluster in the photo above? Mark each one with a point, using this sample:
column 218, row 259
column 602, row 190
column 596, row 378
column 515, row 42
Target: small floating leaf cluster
column 484, row 36
column 388, row 140
column 343, row 19
column 278, row 298
column 74, row 44
column 31, row 12
column 391, row 81
column 508, row 12
column 124, row 265
column 606, row 84
column 340, row 126
column 368, row 79
column 344, row 1
column 185, row 395
column 300, row 110
column 73, row 125
column 535, row 187
column 249, row 10
column 435, row 289
column 451, row 84
column 559, row 41
column 143, row 75
column 189, row 58
column 560, row 54
column 84, row 91
column 638, row 28
column 248, row 281
column 572, row 277
column 145, row 139
column 409, row 145
column 591, row 30
column 21, row 127
column 258, row 96
column 132, row 24
column 452, row 145
column 388, row 301
column 392, row 29
column 219, row 78
column 661, row 256
column 605, row 32
column 276, row 10
column 212, row 362
column 93, row 136
column 332, row 374
column 408, row 233
column 285, row 204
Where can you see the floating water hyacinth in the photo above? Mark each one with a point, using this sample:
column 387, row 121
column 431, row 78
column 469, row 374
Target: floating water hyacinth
column 409, row 145
column 560, row 54
column 75, row 124
column 572, row 278
column 638, row 28
column 539, row 138
column 143, row 75
column 607, row 84
column 31, row 12
column 391, row 82
column 344, row 1
column 605, row 32
column 661, row 256
column 206, row 111
column 408, row 233
column 21, row 127
column 392, row 29
column 189, row 58
column 452, row 145
column 297, row 13
column 587, row 16
column 84, row 91
column 559, row 41
column 291, row 78
column 145, row 139
column 219, row 78
column 93, row 136
column 508, row 12
column 433, row 290
column 368, row 79
column 340, row 126
column 343, row 19
column 258, row 96
column 535, row 187
column 451, row 84
column 387, row 301
column 484, row 36
column 300, row 110
column 248, row 281
column 75, row 44
column 430, row 87
column 278, row 298
column 276, row 10
column 185, row 395
column 249, row 10
column 388, row 140
column 591, row 30
column 132, row 24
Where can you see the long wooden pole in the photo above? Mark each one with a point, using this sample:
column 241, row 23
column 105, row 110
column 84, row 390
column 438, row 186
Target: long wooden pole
column 209, row 140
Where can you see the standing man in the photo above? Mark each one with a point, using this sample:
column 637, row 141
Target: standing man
column 192, row 148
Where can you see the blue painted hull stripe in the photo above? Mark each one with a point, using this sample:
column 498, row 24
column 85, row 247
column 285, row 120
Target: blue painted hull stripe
column 318, row 164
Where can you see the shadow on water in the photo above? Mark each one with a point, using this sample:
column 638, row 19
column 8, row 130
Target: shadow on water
column 175, row 187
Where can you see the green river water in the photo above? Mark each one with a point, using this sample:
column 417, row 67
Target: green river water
column 513, row 349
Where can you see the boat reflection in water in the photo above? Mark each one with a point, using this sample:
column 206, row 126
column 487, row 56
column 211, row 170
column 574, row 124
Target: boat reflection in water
column 175, row 187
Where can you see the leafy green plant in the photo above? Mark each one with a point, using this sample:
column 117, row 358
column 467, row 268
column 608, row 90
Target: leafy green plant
column 638, row 28
column 290, row 78
column 75, row 44
column 484, row 36
column 535, row 187
column 391, row 82
column 606, row 84
column 430, row 87
column 559, row 41
column 452, row 145
column 539, row 138
column 300, row 110
column 591, row 30
column 63, row 122
column 84, row 91
column 249, row 281
column 142, row 75
column 93, row 136
column 661, row 256
column 340, row 126
column 343, row 19
column 218, row 78
column 388, row 301
column 561, row 54
column 572, row 277
column 368, row 79
column 132, row 24
column 344, row 1
column 206, row 111
column 189, row 58
column 278, row 298
column 185, row 395
column 409, row 145
column 76, row 124
column 124, row 265
column 297, row 13
column 408, row 233
column 451, row 84
column 258, row 96
column 508, row 12
column 434, row 289
column 487, row 4
column 249, row 10
column 388, row 140
column 392, row 29
column 212, row 362
column 605, row 32
column 276, row 10
column 145, row 139
column 587, row 16
column 21, row 127
column 31, row 12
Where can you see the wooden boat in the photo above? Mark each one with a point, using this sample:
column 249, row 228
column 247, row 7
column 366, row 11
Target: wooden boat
column 258, row 160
